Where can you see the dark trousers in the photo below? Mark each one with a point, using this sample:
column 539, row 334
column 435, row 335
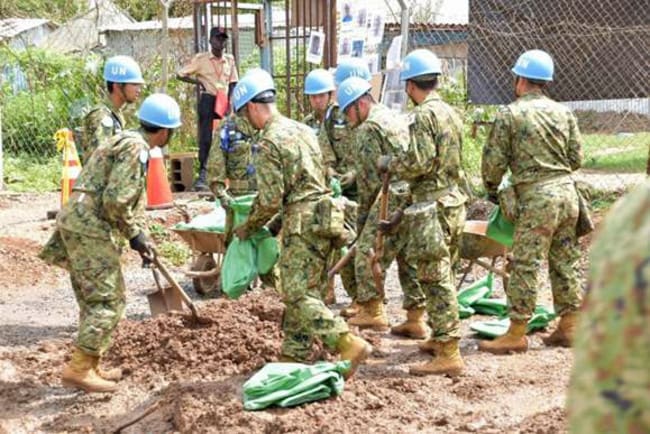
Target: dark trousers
column 206, row 118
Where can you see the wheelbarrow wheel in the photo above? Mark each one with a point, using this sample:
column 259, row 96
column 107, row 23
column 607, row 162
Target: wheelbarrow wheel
column 206, row 285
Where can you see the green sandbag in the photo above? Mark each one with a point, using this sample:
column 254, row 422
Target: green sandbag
column 491, row 306
column 241, row 206
column 496, row 328
column 499, row 228
column 478, row 290
column 267, row 251
column 290, row 384
column 465, row 311
column 239, row 267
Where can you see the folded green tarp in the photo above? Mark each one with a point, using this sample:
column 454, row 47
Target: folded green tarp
column 290, row 384
column 478, row 290
column 496, row 328
column 244, row 260
column 499, row 228
column 491, row 306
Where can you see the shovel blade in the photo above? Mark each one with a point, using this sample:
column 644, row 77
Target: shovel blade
column 164, row 301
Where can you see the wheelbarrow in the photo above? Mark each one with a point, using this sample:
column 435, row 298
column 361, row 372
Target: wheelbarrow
column 475, row 245
column 208, row 249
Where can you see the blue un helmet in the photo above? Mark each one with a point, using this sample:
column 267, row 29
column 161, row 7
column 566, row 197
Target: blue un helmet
column 252, row 84
column 419, row 62
column 535, row 65
column 319, row 81
column 353, row 67
column 351, row 90
column 160, row 110
column 122, row 69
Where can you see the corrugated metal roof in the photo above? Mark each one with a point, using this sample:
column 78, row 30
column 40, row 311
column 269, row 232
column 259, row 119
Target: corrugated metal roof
column 10, row 27
column 82, row 32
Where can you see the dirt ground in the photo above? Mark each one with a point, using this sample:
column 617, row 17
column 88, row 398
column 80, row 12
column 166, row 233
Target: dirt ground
column 188, row 378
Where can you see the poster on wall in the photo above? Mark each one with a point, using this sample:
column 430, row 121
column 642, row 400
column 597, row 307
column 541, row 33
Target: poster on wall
column 315, row 47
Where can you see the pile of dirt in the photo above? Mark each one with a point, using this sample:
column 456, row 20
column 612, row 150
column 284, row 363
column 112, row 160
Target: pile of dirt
column 241, row 336
column 19, row 263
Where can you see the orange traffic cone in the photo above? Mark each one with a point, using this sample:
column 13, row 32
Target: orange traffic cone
column 159, row 194
column 71, row 164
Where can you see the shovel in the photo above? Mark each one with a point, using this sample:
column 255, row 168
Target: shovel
column 170, row 298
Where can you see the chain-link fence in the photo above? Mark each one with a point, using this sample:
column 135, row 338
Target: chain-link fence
column 602, row 64
column 601, row 72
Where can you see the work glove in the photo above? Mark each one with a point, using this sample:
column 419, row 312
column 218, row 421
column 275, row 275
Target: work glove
column 331, row 173
column 241, row 232
column 383, row 163
column 347, row 179
column 141, row 244
column 275, row 225
column 491, row 197
column 387, row 226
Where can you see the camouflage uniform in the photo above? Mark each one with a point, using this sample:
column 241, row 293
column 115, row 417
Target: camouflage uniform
column 538, row 140
column 100, row 124
column 436, row 215
column 610, row 383
column 312, row 122
column 384, row 132
column 107, row 202
column 230, row 167
column 291, row 181
column 336, row 140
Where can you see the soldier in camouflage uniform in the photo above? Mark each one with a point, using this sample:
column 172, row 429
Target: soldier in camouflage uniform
column 231, row 170
column 379, row 131
column 123, row 83
column 107, row 202
column 291, row 181
column 538, row 140
column 436, row 211
column 335, row 139
column 610, row 383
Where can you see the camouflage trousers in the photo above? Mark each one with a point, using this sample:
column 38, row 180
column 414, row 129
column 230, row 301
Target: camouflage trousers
column 394, row 248
column 434, row 233
column 303, row 275
column 98, row 284
column 547, row 214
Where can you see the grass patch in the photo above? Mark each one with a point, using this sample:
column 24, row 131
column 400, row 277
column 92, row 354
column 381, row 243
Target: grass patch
column 616, row 153
column 29, row 174
column 176, row 252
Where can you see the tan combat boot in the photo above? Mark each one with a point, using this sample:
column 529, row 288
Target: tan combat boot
column 79, row 373
column 354, row 349
column 563, row 335
column 414, row 326
column 351, row 310
column 372, row 315
column 513, row 341
column 114, row 374
column 429, row 346
column 446, row 361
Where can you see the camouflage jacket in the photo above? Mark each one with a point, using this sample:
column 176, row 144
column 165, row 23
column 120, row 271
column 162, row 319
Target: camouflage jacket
column 384, row 132
column 611, row 376
column 336, row 139
column 109, row 195
column 432, row 163
column 536, row 138
column 289, row 171
column 100, row 124
column 231, row 166
column 312, row 122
